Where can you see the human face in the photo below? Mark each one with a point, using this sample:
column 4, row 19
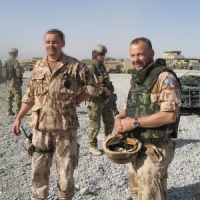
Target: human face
column 14, row 55
column 53, row 45
column 100, row 57
column 141, row 55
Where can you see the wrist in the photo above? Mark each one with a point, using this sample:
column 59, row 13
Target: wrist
column 136, row 123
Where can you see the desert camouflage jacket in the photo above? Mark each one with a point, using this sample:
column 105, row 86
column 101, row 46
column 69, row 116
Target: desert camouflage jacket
column 53, row 95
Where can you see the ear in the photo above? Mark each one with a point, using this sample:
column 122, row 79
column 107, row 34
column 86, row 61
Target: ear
column 152, row 53
column 63, row 44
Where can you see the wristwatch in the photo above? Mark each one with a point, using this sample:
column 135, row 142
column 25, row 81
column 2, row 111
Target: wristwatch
column 136, row 123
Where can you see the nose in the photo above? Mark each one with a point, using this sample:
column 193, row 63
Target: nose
column 51, row 44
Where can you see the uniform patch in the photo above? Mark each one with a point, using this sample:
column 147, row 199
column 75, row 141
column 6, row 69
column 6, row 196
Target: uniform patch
column 171, row 82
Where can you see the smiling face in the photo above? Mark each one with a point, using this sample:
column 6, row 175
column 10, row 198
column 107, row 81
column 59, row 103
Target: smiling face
column 141, row 55
column 53, row 44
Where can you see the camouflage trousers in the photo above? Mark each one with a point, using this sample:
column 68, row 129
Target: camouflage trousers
column 14, row 91
column 66, row 151
column 148, row 173
column 96, row 110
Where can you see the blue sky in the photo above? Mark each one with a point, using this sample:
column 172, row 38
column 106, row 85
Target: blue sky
column 170, row 25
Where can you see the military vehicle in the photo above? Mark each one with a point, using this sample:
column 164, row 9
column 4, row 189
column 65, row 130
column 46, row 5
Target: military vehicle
column 114, row 66
column 190, row 87
column 127, row 67
column 27, row 64
column 175, row 60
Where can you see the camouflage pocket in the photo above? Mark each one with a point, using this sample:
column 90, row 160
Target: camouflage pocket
column 4, row 72
column 34, row 119
column 40, row 86
column 161, row 153
column 154, row 154
column 19, row 72
column 61, row 149
column 28, row 145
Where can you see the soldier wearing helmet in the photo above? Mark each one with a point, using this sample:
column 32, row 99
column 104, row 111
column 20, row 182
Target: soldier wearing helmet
column 150, row 115
column 13, row 73
column 101, row 106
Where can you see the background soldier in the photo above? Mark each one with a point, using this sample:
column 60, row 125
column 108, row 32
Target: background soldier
column 13, row 73
column 1, row 78
column 103, row 105
column 57, row 84
column 151, row 115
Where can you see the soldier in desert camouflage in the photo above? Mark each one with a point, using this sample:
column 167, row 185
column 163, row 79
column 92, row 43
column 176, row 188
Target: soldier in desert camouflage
column 12, row 72
column 150, row 115
column 57, row 84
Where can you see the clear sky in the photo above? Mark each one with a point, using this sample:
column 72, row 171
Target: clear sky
column 170, row 25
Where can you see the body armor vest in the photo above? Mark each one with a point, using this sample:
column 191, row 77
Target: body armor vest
column 139, row 103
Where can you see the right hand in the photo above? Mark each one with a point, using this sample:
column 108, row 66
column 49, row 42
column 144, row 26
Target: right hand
column 107, row 91
column 15, row 128
column 118, row 125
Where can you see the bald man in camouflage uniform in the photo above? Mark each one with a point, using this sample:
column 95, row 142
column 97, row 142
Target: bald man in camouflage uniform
column 152, row 116
column 57, row 84
column 13, row 73
column 103, row 105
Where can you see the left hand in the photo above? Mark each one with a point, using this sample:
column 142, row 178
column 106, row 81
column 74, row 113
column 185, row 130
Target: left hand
column 127, row 124
column 107, row 91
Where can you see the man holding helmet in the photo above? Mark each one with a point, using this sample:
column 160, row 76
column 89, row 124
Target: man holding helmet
column 13, row 72
column 104, row 104
column 151, row 115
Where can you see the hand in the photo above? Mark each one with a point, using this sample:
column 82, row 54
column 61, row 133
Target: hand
column 118, row 125
column 107, row 91
column 15, row 128
column 127, row 124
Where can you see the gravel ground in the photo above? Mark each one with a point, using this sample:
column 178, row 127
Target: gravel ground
column 104, row 179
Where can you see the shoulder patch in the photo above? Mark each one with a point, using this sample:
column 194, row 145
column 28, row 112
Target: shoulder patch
column 171, row 82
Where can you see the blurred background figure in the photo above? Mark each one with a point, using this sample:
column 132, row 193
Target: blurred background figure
column 13, row 73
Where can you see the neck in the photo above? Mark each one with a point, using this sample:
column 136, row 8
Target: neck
column 54, row 57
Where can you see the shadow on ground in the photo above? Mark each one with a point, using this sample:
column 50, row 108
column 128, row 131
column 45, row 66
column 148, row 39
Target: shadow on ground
column 190, row 111
column 182, row 142
column 189, row 192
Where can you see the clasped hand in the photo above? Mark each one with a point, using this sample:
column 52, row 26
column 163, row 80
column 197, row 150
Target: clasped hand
column 124, row 125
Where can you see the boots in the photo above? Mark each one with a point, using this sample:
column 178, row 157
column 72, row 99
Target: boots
column 10, row 113
column 94, row 151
